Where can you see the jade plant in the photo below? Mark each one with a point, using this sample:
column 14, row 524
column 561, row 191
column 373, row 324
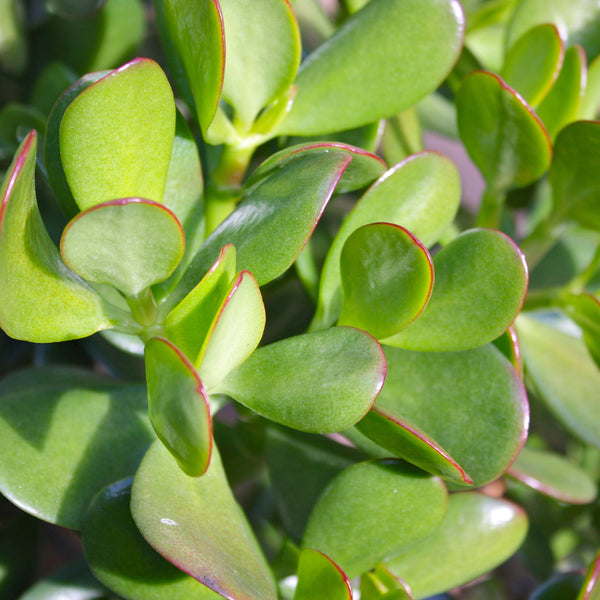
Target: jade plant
column 267, row 351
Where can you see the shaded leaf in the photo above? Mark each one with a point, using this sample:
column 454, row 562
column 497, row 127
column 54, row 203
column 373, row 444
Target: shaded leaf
column 319, row 578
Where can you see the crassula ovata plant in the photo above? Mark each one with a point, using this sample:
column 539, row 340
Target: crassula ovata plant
column 268, row 353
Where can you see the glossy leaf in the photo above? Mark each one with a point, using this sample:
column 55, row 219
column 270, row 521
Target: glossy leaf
column 561, row 105
column 591, row 585
column 590, row 103
column 448, row 394
column 189, row 323
column 503, row 136
column 421, row 194
column 480, row 284
column 553, row 475
column 478, row 534
column 564, row 375
column 534, row 62
column 573, row 174
column 116, row 136
column 319, row 578
column 300, row 467
column 61, row 446
column 235, row 332
column 272, row 223
column 42, row 301
column 196, row 524
column 263, row 54
column 121, row 558
column 204, row 64
column 178, row 406
column 384, row 266
column 423, row 36
column 403, row 439
column 372, row 511
column 130, row 244
column 380, row 584
column 317, row 382
column 364, row 168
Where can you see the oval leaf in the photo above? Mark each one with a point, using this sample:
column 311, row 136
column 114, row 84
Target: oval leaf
column 130, row 244
column 61, row 446
column 42, row 300
column 319, row 578
column 478, row 534
column 386, row 267
column 178, row 406
column 424, row 37
column 503, row 136
column 317, row 382
column 116, row 136
column 373, row 510
column 196, row 524
column 480, row 284
column 449, row 394
column 121, row 558
column 421, row 194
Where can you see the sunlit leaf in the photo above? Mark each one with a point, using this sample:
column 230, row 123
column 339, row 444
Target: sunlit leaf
column 319, row 578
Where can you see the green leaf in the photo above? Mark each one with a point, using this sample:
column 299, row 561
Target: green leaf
column 508, row 344
column 121, row 558
column 73, row 9
column 178, row 406
column 189, row 323
column 300, row 468
column 372, row 511
column 573, row 174
column 421, row 194
column 553, row 475
column 584, row 309
column 380, row 584
column 561, row 105
column 534, row 62
column 13, row 42
column 263, row 54
column 577, row 21
column 317, row 382
column 591, row 586
column 273, row 222
column 130, row 244
column 187, row 23
column 235, row 332
column 478, row 534
column 480, row 284
column 590, row 103
column 471, row 403
column 61, row 446
column 116, row 136
column 42, row 300
column 384, row 266
column 16, row 120
column 394, row 51
column 364, row 168
column 407, row 441
column 196, row 524
column 319, row 578
column 503, row 136
column 564, row 375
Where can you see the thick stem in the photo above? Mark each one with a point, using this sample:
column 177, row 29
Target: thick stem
column 490, row 211
column 143, row 308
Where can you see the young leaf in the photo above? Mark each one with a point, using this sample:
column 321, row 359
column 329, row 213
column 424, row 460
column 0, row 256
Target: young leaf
column 263, row 54
column 61, row 446
column 318, row 382
column 421, row 194
column 561, row 105
column 534, row 62
column 319, row 578
column 116, row 136
column 130, row 244
column 178, row 406
column 380, row 584
column 42, row 300
column 553, row 475
column 373, row 510
column 480, row 284
column 196, row 524
column 478, row 533
column 503, row 136
column 395, row 52
column 121, row 558
column 449, row 394
column 384, row 266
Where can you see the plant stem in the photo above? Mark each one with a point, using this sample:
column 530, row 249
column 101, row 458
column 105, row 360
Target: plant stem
column 143, row 308
column 490, row 211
